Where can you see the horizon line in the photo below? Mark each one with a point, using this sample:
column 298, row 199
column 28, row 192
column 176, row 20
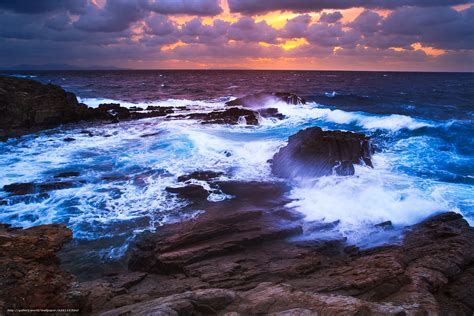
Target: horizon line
column 233, row 69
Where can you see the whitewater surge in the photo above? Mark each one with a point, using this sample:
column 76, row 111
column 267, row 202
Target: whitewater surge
column 125, row 168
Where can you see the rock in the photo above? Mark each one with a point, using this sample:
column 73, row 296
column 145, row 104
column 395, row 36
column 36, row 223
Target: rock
column 192, row 191
column 282, row 299
column 384, row 225
column 26, row 103
column 67, row 174
column 112, row 111
column 199, row 302
column 271, row 112
column 31, row 187
column 230, row 116
column 313, row 152
column 69, row 139
column 260, row 99
column 200, row 175
column 30, row 276
column 225, row 247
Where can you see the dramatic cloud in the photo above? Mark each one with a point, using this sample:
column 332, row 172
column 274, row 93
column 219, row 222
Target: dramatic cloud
column 257, row 6
column 42, row 6
column 117, row 15
column 190, row 7
column 330, row 17
column 406, row 34
column 247, row 30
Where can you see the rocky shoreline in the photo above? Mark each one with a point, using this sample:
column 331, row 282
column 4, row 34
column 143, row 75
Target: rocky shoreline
column 243, row 262
column 242, row 256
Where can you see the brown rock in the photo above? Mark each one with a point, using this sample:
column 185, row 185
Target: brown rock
column 313, row 152
column 30, row 276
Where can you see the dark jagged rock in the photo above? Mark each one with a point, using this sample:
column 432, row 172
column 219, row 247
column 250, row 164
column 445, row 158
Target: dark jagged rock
column 313, row 152
column 67, row 174
column 192, row 191
column 200, row 175
column 112, row 111
column 260, row 99
column 31, row 187
column 30, row 276
column 26, row 103
column 271, row 112
column 230, row 116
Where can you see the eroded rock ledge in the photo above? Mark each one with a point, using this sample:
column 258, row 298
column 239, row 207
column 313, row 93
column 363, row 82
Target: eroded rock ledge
column 243, row 262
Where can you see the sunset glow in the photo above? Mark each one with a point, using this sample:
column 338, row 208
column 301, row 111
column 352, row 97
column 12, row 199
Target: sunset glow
column 242, row 34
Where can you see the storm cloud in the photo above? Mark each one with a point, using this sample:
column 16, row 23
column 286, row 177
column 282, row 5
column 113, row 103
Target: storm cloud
column 433, row 35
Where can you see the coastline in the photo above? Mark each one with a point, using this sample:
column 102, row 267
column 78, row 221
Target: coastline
column 241, row 255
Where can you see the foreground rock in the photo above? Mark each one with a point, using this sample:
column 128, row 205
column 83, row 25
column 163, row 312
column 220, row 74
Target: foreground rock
column 260, row 99
column 30, row 276
column 313, row 152
column 431, row 272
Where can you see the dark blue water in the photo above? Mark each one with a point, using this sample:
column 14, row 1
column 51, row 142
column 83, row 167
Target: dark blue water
column 422, row 124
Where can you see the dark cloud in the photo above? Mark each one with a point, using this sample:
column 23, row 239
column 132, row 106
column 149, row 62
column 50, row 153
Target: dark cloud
column 367, row 22
column 258, row 6
column 247, row 30
column 117, row 15
column 160, row 25
column 437, row 27
column 297, row 26
column 136, row 31
column 190, row 7
column 332, row 35
column 330, row 17
column 196, row 32
column 42, row 6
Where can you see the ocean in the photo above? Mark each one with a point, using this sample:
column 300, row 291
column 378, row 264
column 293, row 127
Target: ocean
column 420, row 123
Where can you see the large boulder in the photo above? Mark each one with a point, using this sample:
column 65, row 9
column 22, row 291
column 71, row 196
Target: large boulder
column 26, row 103
column 313, row 152
column 259, row 100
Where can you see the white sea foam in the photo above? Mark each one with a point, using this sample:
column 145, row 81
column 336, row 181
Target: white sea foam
column 370, row 197
column 297, row 114
column 95, row 102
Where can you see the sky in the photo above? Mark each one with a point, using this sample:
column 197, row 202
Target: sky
column 398, row 35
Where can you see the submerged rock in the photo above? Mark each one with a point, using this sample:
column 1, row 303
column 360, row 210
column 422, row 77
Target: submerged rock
column 260, row 99
column 200, row 175
column 230, row 116
column 313, row 152
column 192, row 191
column 31, row 187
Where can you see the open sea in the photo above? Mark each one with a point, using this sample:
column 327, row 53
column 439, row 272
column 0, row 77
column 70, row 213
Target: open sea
column 422, row 125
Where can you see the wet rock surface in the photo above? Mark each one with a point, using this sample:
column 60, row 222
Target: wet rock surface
column 259, row 99
column 313, row 152
column 267, row 273
column 246, row 256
